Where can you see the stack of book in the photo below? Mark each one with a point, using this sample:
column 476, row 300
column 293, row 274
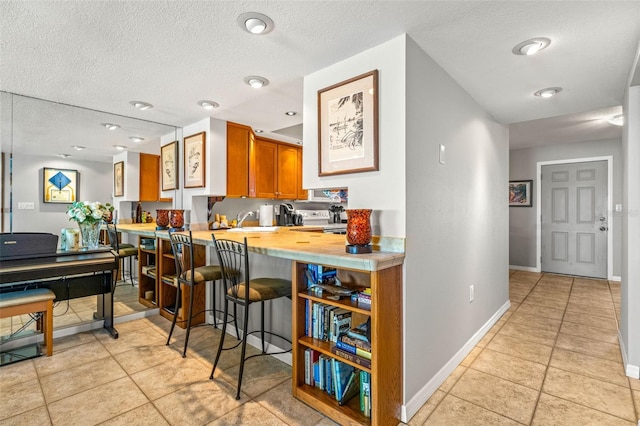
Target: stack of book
column 319, row 274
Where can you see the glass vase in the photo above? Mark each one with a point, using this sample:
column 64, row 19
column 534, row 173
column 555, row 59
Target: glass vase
column 162, row 218
column 90, row 232
column 359, row 227
column 176, row 218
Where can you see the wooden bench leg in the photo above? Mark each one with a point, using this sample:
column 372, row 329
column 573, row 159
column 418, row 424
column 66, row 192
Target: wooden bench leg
column 48, row 328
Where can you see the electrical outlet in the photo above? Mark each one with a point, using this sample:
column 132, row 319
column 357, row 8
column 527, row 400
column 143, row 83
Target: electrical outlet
column 26, row 206
column 471, row 293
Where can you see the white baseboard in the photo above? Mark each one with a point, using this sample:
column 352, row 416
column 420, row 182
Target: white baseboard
column 615, row 278
column 630, row 370
column 412, row 407
column 524, row 268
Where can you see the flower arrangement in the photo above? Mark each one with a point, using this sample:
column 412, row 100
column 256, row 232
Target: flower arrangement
column 90, row 212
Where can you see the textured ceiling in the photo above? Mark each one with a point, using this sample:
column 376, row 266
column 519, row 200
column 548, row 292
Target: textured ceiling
column 103, row 54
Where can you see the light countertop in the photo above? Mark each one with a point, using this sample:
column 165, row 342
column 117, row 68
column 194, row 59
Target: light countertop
column 295, row 244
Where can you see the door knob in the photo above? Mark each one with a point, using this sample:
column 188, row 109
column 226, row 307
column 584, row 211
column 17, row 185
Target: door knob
column 603, row 228
column 602, row 219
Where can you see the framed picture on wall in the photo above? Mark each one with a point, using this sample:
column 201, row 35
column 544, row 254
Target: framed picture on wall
column 194, row 160
column 59, row 185
column 169, row 166
column 118, row 179
column 520, row 193
column 348, row 126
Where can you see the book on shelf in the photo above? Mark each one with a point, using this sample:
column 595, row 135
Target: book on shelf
column 170, row 279
column 353, row 350
column 349, row 356
column 365, row 345
column 340, row 323
column 310, row 357
column 149, row 269
column 365, row 393
column 352, row 388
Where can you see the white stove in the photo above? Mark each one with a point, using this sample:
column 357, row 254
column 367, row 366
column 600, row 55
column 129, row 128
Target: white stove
column 322, row 218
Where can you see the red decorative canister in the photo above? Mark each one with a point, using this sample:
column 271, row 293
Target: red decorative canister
column 162, row 218
column 176, row 218
column 359, row 227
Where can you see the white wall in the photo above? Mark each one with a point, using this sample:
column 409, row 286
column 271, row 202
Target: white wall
column 522, row 221
column 95, row 183
column 384, row 190
column 457, row 220
column 630, row 286
column 454, row 216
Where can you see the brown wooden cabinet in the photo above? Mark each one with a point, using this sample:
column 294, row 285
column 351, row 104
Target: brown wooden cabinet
column 149, row 177
column 262, row 168
column 147, row 267
column 239, row 145
column 385, row 313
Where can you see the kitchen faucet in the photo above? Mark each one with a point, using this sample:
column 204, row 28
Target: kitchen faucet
column 242, row 216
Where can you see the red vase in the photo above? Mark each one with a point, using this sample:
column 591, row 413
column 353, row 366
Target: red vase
column 162, row 218
column 176, row 218
column 359, row 227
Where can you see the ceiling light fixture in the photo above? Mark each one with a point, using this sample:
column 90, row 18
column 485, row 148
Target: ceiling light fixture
column 255, row 23
column 119, row 147
column 78, row 147
column 258, row 130
column 136, row 138
column 208, row 105
column 110, row 126
column 142, row 106
column 548, row 92
column 290, row 113
column 256, row 81
column 616, row 120
column 64, row 155
column 531, row 46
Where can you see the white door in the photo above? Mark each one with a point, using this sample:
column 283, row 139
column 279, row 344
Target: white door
column 574, row 219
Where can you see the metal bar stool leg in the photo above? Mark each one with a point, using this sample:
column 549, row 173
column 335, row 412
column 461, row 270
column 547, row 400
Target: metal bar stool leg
column 175, row 315
column 245, row 324
column 186, row 339
column 221, row 343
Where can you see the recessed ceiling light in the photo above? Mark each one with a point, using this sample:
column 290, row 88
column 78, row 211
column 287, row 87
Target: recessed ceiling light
column 258, row 130
column 531, row 46
column 78, row 147
column 142, row 106
column 255, row 23
column 548, row 92
column 256, row 81
column 110, row 126
column 290, row 113
column 119, row 147
column 617, row 120
column 209, row 105
column 136, row 138
column 64, row 155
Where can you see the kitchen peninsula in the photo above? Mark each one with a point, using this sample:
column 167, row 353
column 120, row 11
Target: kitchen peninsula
column 381, row 271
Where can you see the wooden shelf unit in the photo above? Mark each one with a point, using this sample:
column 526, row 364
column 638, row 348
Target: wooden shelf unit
column 146, row 280
column 167, row 285
column 386, row 345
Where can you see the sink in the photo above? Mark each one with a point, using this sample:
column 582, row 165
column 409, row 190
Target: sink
column 255, row 229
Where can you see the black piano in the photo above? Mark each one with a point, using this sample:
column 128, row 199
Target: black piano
column 31, row 260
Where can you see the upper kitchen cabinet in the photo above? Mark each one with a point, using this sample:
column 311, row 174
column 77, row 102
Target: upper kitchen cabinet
column 262, row 168
column 275, row 171
column 149, row 177
column 239, row 144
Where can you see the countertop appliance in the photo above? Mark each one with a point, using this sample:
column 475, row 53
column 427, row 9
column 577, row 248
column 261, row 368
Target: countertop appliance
column 285, row 218
column 324, row 219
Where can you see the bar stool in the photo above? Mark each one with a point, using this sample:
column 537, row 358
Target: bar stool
column 233, row 257
column 128, row 251
column 190, row 275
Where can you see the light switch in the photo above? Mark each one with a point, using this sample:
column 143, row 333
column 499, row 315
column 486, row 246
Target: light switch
column 618, row 208
column 442, row 152
column 26, row 206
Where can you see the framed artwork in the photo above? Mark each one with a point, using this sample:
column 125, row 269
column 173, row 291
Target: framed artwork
column 118, row 179
column 169, row 165
column 520, row 193
column 348, row 126
column 59, row 185
column 194, row 159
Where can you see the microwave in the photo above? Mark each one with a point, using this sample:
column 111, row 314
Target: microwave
column 328, row 195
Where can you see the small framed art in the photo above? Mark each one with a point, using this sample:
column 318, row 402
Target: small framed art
column 118, row 179
column 520, row 193
column 169, row 165
column 59, row 185
column 194, row 160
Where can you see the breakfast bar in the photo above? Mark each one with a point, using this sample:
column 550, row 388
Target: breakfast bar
column 379, row 271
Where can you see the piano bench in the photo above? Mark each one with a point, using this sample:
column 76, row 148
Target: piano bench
column 29, row 301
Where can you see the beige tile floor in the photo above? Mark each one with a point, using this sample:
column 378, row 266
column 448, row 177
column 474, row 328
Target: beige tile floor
column 552, row 359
